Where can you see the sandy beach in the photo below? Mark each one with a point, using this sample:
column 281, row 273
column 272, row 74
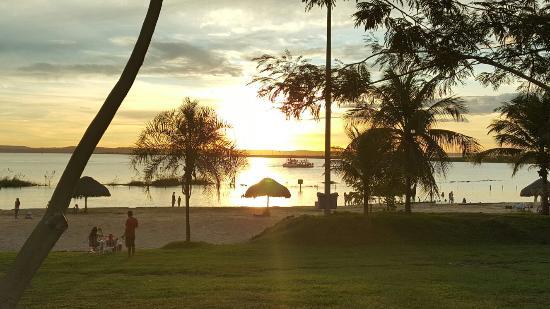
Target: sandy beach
column 159, row 226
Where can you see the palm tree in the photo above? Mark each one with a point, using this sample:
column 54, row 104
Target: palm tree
column 53, row 224
column 523, row 134
column 328, row 85
column 367, row 162
column 406, row 105
column 189, row 140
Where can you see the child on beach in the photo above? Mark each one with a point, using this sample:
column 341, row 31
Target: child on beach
column 93, row 240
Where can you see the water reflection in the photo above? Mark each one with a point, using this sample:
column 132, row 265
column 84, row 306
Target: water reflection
column 465, row 180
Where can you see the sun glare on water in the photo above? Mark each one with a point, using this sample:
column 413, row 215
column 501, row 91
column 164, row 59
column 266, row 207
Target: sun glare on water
column 258, row 168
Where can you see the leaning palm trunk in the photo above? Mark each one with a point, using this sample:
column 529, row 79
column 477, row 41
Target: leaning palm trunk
column 53, row 224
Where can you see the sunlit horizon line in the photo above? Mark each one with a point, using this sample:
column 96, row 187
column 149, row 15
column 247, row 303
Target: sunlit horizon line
column 319, row 151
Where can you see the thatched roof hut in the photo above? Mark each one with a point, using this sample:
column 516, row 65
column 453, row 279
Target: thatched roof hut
column 267, row 187
column 534, row 189
column 89, row 187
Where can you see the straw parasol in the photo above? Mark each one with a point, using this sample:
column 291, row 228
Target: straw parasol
column 534, row 189
column 267, row 187
column 89, row 187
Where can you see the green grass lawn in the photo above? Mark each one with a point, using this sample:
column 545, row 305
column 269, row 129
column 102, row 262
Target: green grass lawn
column 277, row 270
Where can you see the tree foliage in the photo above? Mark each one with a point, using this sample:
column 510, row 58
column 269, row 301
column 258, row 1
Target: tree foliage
column 368, row 164
column 189, row 141
column 523, row 134
column 406, row 106
column 453, row 37
column 296, row 85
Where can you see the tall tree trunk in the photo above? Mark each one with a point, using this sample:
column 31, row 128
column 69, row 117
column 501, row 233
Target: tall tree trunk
column 85, row 204
column 544, row 197
column 407, row 194
column 187, row 198
column 366, row 202
column 328, row 103
column 50, row 228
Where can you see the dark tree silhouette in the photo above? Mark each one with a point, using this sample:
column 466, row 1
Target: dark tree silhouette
column 53, row 224
column 189, row 140
column 297, row 86
column 454, row 37
column 367, row 162
column 406, row 105
column 524, row 130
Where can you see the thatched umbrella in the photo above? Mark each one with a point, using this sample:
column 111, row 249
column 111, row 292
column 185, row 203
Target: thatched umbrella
column 534, row 189
column 89, row 187
column 267, row 187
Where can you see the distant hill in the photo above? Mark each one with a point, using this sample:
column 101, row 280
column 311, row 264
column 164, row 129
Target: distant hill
column 69, row 149
column 128, row 150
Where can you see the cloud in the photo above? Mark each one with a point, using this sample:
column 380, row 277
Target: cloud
column 483, row 105
column 136, row 116
column 67, row 69
column 164, row 58
column 183, row 58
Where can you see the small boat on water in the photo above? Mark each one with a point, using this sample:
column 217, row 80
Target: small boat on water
column 294, row 163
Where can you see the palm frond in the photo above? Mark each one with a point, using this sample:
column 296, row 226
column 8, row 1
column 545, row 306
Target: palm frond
column 453, row 141
column 452, row 108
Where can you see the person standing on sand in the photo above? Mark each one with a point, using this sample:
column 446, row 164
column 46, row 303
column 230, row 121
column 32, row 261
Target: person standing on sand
column 16, row 208
column 130, row 233
column 179, row 201
column 173, row 199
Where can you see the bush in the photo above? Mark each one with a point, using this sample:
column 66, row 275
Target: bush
column 15, row 182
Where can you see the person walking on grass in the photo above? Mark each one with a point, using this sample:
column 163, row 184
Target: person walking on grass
column 173, row 199
column 16, row 208
column 179, row 201
column 130, row 233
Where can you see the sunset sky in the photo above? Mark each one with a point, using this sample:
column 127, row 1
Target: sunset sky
column 59, row 59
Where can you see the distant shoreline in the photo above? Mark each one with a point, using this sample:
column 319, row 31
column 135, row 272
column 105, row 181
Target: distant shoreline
column 128, row 151
column 309, row 154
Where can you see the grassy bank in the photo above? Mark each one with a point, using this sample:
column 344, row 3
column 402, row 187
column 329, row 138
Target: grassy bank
column 275, row 270
column 15, row 182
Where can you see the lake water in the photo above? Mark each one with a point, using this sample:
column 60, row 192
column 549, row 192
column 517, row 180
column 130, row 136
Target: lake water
column 491, row 182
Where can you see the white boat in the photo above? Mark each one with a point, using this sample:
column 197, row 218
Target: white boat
column 294, row 163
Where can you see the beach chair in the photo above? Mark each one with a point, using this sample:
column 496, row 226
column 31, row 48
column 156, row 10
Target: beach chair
column 108, row 247
column 520, row 207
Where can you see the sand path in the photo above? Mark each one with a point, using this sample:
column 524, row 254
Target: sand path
column 159, row 226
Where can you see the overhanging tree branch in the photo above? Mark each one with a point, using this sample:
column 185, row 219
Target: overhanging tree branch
column 509, row 69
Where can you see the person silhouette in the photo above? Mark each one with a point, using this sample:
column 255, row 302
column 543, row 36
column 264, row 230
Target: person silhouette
column 130, row 233
column 179, row 201
column 173, row 199
column 16, row 207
